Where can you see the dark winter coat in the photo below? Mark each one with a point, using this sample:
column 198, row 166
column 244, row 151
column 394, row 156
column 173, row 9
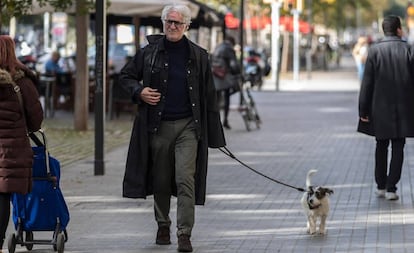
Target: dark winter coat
column 16, row 155
column 387, row 90
column 149, row 67
column 224, row 57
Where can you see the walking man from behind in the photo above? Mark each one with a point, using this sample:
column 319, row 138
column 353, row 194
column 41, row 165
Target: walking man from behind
column 178, row 119
column 386, row 104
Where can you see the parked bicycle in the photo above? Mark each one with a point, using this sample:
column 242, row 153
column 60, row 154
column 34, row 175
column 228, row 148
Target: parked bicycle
column 247, row 108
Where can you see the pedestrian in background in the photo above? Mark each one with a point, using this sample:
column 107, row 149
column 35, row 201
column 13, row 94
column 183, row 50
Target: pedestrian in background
column 386, row 104
column 52, row 66
column 16, row 154
column 178, row 119
column 228, row 80
column 360, row 53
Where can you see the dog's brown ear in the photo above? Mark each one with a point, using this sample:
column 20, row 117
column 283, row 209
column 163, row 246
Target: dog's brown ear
column 328, row 191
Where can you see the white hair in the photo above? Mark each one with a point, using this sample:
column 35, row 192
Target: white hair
column 180, row 8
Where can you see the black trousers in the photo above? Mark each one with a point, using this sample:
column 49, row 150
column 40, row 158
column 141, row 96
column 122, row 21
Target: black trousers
column 4, row 215
column 388, row 179
column 224, row 96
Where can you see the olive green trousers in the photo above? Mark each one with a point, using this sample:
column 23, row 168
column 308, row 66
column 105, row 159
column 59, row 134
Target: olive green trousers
column 174, row 153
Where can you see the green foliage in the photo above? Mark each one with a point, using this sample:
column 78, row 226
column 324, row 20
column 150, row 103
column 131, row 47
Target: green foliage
column 340, row 13
column 18, row 8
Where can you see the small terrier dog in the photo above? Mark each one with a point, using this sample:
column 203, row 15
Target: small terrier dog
column 315, row 203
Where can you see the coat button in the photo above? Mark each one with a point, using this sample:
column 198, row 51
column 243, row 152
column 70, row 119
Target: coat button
column 192, row 105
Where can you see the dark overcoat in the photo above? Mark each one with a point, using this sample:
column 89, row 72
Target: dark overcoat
column 387, row 90
column 224, row 56
column 149, row 68
column 16, row 154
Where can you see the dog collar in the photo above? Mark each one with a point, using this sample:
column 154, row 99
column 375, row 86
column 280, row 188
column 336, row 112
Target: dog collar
column 311, row 207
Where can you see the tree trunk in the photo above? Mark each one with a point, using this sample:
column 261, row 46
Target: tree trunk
column 82, row 71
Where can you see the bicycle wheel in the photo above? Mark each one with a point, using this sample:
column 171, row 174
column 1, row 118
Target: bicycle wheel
column 244, row 111
column 252, row 110
column 243, row 107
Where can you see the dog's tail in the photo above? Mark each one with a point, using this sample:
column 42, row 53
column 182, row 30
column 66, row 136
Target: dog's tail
column 308, row 177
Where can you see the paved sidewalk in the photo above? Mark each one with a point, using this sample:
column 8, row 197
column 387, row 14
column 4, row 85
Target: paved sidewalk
column 306, row 128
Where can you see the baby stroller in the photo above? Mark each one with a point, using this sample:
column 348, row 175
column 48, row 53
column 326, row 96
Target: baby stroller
column 44, row 208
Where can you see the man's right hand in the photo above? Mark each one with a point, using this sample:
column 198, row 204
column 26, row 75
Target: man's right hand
column 150, row 96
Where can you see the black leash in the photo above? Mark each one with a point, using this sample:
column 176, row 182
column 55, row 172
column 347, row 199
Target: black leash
column 227, row 152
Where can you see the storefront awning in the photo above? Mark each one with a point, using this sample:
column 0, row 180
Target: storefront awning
column 255, row 23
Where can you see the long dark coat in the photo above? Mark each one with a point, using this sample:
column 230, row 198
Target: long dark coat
column 225, row 57
column 387, row 90
column 16, row 154
column 149, row 67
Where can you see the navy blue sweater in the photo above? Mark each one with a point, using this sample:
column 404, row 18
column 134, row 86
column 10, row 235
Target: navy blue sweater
column 177, row 104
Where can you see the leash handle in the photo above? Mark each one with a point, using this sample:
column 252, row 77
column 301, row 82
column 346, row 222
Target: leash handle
column 227, row 152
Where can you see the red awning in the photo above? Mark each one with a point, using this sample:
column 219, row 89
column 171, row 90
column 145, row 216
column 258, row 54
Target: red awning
column 285, row 22
column 257, row 22
column 231, row 21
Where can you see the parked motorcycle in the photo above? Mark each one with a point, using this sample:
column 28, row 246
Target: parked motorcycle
column 25, row 54
column 253, row 69
column 28, row 60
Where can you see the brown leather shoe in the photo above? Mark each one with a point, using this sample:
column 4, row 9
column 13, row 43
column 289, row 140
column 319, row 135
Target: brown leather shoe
column 184, row 244
column 163, row 236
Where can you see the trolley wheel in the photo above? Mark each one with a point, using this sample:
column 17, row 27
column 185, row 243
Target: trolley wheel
column 29, row 238
column 60, row 242
column 11, row 243
column 65, row 233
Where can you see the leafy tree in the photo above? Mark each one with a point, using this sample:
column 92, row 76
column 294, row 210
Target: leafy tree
column 339, row 13
column 18, row 8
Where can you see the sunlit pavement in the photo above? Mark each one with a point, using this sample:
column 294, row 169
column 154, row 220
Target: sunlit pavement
column 304, row 128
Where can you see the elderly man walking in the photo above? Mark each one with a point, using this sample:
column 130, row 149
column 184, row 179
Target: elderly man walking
column 178, row 120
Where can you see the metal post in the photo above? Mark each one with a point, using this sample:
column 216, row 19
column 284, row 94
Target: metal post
column 241, row 34
column 309, row 51
column 46, row 29
column 275, row 42
column 295, row 44
column 100, row 80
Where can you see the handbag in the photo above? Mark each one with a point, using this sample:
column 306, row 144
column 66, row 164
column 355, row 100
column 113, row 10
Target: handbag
column 219, row 71
column 228, row 82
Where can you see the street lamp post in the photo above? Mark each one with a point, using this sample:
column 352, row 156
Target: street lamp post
column 100, row 76
column 296, row 13
column 275, row 41
column 309, row 51
column 275, row 53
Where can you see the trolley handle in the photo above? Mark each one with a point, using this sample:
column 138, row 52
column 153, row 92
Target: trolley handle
column 40, row 143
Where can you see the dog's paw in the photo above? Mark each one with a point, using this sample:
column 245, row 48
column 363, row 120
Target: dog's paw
column 322, row 232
